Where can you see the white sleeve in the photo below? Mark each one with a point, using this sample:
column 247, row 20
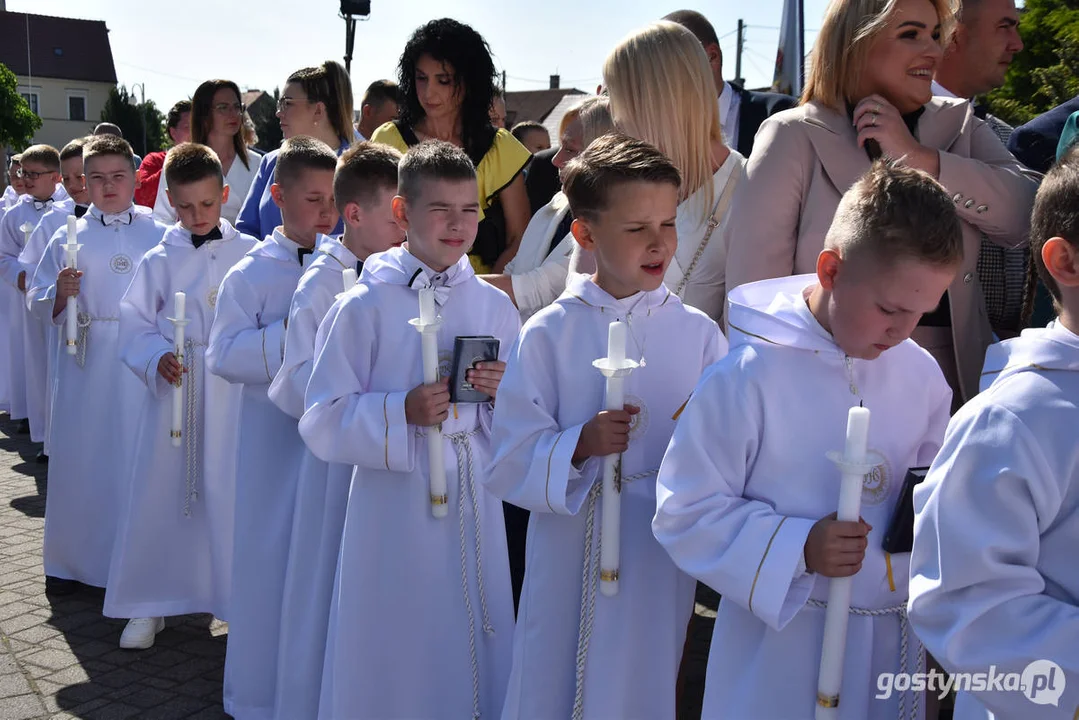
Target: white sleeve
column 538, row 288
column 289, row 385
column 977, row 597
column 742, row 548
column 242, row 350
column 140, row 337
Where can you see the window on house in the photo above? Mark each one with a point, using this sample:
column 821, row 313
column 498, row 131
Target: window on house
column 76, row 106
column 31, row 99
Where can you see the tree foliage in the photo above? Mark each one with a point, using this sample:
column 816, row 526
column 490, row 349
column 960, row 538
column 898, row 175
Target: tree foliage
column 1046, row 73
column 123, row 109
column 18, row 123
column 267, row 126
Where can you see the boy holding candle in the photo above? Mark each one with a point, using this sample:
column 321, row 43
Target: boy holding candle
column 422, row 617
column 89, row 469
column 747, row 496
column 364, row 186
column 993, row 576
column 247, row 347
column 40, row 171
column 174, row 545
column 551, row 436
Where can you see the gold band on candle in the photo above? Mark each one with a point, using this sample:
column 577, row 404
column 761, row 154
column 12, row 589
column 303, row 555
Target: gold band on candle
column 72, row 342
column 827, row 702
column 608, row 575
column 439, row 500
column 175, row 433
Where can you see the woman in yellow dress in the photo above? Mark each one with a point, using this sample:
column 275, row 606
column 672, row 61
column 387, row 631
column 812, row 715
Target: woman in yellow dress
column 447, row 81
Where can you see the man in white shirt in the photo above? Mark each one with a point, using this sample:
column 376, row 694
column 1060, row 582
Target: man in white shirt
column 741, row 111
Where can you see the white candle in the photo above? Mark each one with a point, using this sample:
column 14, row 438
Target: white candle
column 427, row 306
column 611, row 507
column 349, row 278
column 428, row 326
column 834, row 646
column 178, row 323
column 71, row 310
column 27, row 230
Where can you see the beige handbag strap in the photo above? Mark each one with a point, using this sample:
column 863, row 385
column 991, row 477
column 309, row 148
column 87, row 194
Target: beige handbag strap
column 718, row 213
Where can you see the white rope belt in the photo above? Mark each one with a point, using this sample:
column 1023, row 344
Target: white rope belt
column 904, row 647
column 462, row 446
column 590, row 582
column 83, row 337
column 192, row 448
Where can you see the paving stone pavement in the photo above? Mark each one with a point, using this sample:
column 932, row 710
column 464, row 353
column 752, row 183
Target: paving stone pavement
column 59, row 658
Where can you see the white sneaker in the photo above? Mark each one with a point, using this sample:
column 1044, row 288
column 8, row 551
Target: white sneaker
column 141, row 632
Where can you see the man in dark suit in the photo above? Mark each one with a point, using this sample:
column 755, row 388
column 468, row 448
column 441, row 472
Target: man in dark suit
column 1035, row 144
column 741, row 111
column 542, row 181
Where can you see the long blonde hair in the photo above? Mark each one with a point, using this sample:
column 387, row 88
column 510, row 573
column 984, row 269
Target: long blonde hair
column 662, row 92
column 594, row 112
column 842, row 46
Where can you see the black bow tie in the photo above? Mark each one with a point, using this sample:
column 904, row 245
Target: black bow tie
column 80, row 210
column 198, row 240
column 300, row 252
column 359, row 268
column 42, row 204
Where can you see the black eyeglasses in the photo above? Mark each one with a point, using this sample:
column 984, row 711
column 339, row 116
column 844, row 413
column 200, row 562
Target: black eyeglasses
column 30, row 175
column 286, row 102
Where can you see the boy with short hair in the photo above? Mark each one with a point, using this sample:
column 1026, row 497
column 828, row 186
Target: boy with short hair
column 434, row 639
column 747, row 496
column 15, row 184
column 42, row 344
column 993, row 578
column 247, row 347
column 40, row 171
column 551, row 435
column 364, row 186
column 88, row 469
column 174, row 543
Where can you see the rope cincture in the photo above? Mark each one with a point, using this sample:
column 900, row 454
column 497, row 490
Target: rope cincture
column 192, row 449
column 590, row 582
column 904, row 647
column 82, row 339
column 462, row 447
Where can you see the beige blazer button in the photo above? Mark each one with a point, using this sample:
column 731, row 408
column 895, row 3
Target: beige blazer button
column 957, row 197
column 982, row 208
column 968, row 278
column 968, row 204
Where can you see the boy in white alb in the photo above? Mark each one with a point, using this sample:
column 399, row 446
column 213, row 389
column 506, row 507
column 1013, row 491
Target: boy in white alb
column 247, row 347
column 25, row 368
column 422, row 618
column 15, row 185
column 747, row 496
column 88, row 473
column 74, row 181
column 993, row 572
column 363, row 188
column 174, row 542
column 578, row 653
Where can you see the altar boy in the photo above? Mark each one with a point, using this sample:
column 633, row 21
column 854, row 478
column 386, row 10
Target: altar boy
column 174, row 545
column 90, row 462
column 550, row 439
column 747, row 496
column 364, row 186
column 422, row 614
column 247, row 346
column 993, row 578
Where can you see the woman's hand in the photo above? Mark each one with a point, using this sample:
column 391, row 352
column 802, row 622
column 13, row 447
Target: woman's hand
column 877, row 119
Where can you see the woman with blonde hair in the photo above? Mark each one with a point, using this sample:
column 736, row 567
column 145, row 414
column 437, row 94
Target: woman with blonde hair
column 868, row 94
column 661, row 91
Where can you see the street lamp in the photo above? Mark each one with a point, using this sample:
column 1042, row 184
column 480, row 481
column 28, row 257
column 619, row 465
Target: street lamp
column 142, row 111
column 349, row 9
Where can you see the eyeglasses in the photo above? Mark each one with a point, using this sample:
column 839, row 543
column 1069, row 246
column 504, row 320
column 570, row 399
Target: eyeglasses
column 286, row 102
column 30, row 175
column 230, row 108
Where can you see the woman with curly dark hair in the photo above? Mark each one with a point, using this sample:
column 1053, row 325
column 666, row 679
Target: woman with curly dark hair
column 447, row 81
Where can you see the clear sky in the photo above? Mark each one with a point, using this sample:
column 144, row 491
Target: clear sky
column 173, row 45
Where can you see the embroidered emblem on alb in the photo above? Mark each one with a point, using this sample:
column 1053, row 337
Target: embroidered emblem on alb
column 211, row 298
column 638, row 424
column 120, row 264
column 877, row 484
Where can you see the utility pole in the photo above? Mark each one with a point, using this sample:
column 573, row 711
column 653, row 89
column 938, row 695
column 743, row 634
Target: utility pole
column 738, row 53
column 349, row 10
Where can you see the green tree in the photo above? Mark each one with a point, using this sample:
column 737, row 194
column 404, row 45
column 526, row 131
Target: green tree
column 1046, row 73
column 134, row 119
column 18, row 123
column 267, row 126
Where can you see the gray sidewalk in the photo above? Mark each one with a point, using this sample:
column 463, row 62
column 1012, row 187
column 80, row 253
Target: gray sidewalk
column 60, row 658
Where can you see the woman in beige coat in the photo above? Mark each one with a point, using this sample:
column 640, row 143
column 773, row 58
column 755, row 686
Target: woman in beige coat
column 868, row 93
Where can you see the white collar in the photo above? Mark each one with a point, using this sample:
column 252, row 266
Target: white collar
column 941, row 91
column 726, row 103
